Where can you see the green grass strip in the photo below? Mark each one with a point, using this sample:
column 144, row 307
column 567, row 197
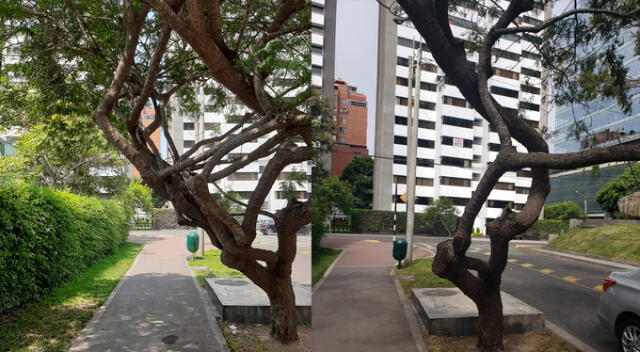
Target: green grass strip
column 321, row 260
column 424, row 277
column 53, row 322
column 214, row 265
column 620, row 242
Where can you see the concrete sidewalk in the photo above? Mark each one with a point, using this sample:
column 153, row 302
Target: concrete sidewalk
column 155, row 307
column 357, row 307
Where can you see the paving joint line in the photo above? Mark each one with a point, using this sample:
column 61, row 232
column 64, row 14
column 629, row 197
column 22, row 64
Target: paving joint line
column 418, row 331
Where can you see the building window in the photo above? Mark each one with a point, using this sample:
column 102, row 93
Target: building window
column 494, row 147
column 425, row 143
column 189, row 144
column 477, row 140
column 453, row 181
column 530, row 55
column 361, row 104
column 504, row 186
column 427, row 105
column 507, row 74
column 529, row 72
column 504, row 91
column 343, row 120
column 401, row 180
column 505, row 54
column 529, row 89
column 477, row 158
column 402, row 101
column 524, row 173
column 511, row 37
column 454, row 101
column 519, row 206
column 447, row 160
column 342, row 130
column 189, row 126
column 475, row 176
column 400, row 159
column 429, row 67
column 423, row 200
column 454, row 121
column 522, row 190
column 457, row 142
column 211, row 126
column 530, row 20
column 529, row 106
column 424, row 162
column 461, row 22
column 499, row 204
column 402, row 61
column 400, row 140
column 420, row 181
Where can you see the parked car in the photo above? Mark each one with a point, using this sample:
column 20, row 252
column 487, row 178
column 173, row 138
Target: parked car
column 268, row 227
column 619, row 308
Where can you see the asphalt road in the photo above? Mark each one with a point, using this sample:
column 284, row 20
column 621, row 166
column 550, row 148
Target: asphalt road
column 566, row 290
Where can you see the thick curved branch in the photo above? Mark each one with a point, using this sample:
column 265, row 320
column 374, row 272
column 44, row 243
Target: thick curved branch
column 577, row 159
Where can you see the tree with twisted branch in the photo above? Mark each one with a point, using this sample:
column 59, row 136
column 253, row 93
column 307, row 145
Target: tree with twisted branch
column 107, row 60
column 577, row 78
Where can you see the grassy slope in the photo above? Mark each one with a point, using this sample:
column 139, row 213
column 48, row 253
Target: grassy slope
column 321, row 260
column 51, row 324
column 618, row 242
column 215, row 267
column 424, row 278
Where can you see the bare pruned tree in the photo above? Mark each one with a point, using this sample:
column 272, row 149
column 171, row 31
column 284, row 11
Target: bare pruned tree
column 479, row 279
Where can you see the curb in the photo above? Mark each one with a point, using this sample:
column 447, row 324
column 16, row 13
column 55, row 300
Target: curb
column 564, row 335
column 580, row 257
column 326, row 273
column 211, row 312
column 418, row 331
column 100, row 311
column 442, row 238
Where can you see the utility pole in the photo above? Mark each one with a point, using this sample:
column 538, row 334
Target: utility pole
column 412, row 150
column 584, row 197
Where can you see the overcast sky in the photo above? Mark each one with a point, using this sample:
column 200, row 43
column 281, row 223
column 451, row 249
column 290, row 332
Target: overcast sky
column 356, row 51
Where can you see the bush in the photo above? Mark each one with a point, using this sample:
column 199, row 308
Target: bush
column 563, row 211
column 541, row 229
column 47, row 237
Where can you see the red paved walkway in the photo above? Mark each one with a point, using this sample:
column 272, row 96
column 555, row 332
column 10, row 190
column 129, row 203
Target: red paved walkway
column 368, row 252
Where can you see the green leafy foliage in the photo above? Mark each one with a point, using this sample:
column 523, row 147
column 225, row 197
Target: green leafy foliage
column 137, row 195
column 359, row 174
column 563, row 211
column 623, row 185
column 329, row 195
column 48, row 237
column 442, row 216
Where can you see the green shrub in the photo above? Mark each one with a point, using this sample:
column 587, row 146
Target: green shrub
column 48, row 237
column 543, row 227
column 563, row 211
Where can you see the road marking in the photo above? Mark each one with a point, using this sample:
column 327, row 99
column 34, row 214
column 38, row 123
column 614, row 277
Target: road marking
column 527, row 265
column 372, row 241
column 475, row 251
column 598, row 288
column 487, row 253
column 263, row 243
column 512, row 260
column 570, row 278
column 546, row 271
column 306, row 252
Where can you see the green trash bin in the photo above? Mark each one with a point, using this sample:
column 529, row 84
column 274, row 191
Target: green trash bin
column 192, row 242
column 399, row 249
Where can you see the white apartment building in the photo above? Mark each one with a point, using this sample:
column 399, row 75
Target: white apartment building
column 455, row 143
column 323, row 42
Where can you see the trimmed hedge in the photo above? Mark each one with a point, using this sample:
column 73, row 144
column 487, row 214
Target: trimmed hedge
column 381, row 221
column 541, row 229
column 47, row 237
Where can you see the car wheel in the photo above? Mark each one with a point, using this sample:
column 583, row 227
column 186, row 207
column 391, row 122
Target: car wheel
column 629, row 339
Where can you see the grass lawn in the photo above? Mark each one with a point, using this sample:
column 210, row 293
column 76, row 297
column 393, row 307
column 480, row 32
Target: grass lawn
column 617, row 242
column 215, row 268
column 321, row 260
column 424, row 278
column 51, row 324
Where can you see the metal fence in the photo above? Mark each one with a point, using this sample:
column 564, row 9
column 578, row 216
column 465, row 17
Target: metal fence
column 341, row 224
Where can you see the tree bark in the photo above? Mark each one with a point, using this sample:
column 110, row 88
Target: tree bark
column 490, row 322
column 283, row 309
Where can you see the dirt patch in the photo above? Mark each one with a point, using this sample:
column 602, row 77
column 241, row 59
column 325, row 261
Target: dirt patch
column 530, row 342
column 256, row 338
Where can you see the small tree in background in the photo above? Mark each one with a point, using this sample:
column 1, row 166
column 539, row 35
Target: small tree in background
column 442, row 215
column 563, row 211
column 329, row 195
column 359, row 174
column 621, row 186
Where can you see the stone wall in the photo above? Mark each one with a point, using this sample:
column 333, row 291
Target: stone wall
column 165, row 218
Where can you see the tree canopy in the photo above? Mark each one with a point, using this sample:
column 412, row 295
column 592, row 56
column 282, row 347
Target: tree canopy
column 623, row 185
column 359, row 174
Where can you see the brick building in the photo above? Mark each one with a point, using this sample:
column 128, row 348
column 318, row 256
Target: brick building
column 350, row 110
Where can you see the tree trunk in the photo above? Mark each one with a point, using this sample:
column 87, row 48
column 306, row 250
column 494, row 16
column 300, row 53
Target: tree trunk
column 490, row 323
column 283, row 310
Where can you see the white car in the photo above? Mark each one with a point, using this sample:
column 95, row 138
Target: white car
column 619, row 308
